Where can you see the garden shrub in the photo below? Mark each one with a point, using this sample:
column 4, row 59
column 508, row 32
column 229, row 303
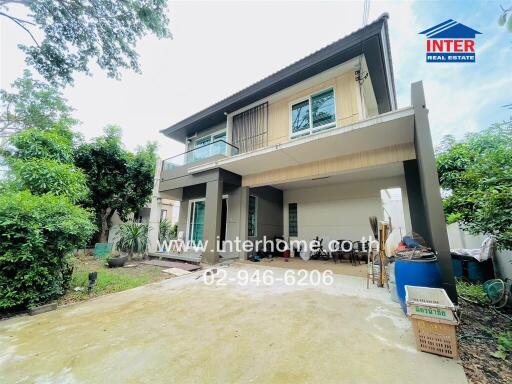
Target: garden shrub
column 37, row 235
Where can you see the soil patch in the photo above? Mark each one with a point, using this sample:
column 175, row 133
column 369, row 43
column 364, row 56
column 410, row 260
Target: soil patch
column 477, row 336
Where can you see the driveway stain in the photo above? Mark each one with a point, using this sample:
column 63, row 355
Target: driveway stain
column 183, row 331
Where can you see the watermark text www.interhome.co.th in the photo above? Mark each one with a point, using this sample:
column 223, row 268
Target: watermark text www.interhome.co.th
column 265, row 245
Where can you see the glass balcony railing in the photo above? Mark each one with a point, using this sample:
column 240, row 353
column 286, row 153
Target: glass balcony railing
column 218, row 147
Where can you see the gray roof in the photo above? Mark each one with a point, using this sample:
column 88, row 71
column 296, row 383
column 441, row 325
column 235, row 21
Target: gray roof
column 372, row 40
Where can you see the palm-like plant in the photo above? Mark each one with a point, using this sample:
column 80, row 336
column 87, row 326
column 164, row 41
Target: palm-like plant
column 167, row 230
column 164, row 230
column 133, row 238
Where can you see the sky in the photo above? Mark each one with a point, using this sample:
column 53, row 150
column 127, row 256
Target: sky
column 219, row 48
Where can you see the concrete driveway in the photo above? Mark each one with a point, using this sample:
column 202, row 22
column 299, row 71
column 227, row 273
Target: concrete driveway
column 183, row 331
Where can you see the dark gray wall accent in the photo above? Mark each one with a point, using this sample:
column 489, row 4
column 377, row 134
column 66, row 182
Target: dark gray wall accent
column 375, row 61
column 201, row 178
column 430, row 188
column 270, row 212
column 194, row 192
column 415, row 199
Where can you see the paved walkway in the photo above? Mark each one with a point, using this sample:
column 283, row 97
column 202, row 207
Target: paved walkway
column 184, row 331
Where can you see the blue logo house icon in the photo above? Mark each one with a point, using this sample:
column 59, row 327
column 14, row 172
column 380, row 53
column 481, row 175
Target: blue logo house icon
column 450, row 42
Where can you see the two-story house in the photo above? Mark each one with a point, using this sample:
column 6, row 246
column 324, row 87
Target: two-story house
column 309, row 151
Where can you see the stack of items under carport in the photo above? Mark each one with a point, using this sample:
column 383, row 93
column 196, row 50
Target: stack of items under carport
column 434, row 320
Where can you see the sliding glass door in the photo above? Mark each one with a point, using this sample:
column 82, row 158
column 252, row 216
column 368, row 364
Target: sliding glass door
column 196, row 221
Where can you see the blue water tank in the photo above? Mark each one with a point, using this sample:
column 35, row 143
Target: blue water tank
column 422, row 272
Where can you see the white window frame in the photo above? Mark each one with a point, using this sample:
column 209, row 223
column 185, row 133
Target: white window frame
column 309, row 99
column 210, row 135
column 255, row 216
column 189, row 213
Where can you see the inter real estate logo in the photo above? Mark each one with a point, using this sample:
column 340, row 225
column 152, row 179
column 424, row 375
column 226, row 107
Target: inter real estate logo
column 450, row 42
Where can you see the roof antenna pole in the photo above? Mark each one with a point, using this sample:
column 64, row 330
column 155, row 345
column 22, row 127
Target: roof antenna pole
column 360, row 77
column 366, row 12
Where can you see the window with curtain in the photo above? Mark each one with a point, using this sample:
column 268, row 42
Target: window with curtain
column 250, row 128
column 252, row 217
column 315, row 113
column 292, row 220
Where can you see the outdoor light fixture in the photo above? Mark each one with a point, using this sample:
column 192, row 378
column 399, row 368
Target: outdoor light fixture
column 92, row 281
column 320, row 178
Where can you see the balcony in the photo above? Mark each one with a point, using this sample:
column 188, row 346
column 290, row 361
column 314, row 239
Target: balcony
column 178, row 165
column 385, row 137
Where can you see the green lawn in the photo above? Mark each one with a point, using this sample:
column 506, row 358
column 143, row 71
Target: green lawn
column 109, row 280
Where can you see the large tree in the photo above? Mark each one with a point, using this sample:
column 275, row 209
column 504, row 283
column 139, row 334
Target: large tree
column 78, row 32
column 41, row 222
column 33, row 104
column 120, row 181
column 477, row 175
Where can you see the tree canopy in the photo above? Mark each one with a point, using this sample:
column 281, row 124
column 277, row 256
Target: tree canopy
column 42, row 162
column 33, row 104
column 477, row 175
column 78, row 32
column 120, row 181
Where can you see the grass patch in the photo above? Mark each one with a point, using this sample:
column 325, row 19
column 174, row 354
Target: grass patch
column 110, row 280
column 473, row 292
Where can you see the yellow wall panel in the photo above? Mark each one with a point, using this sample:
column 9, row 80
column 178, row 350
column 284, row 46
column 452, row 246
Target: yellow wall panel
column 360, row 160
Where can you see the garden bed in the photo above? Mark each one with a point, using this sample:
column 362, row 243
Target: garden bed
column 109, row 280
column 478, row 334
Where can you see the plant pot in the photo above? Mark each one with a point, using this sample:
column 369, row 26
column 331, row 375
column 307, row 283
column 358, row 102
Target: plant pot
column 116, row 262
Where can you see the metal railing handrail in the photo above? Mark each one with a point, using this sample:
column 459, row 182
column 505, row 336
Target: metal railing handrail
column 202, row 146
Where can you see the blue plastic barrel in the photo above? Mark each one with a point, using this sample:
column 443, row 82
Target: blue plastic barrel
column 423, row 272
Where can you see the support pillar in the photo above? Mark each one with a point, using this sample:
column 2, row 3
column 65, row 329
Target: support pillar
column 431, row 192
column 154, row 213
column 212, row 221
column 244, row 218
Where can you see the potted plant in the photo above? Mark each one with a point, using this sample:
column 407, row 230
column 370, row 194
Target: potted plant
column 132, row 238
column 116, row 260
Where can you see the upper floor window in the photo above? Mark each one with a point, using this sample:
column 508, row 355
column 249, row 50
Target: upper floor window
column 207, row 146
column 205, row 140
column 250, row 128
column 315, row 113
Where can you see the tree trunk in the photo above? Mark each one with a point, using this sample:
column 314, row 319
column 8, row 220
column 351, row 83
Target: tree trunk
column 106, row 223
column 104, row 228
